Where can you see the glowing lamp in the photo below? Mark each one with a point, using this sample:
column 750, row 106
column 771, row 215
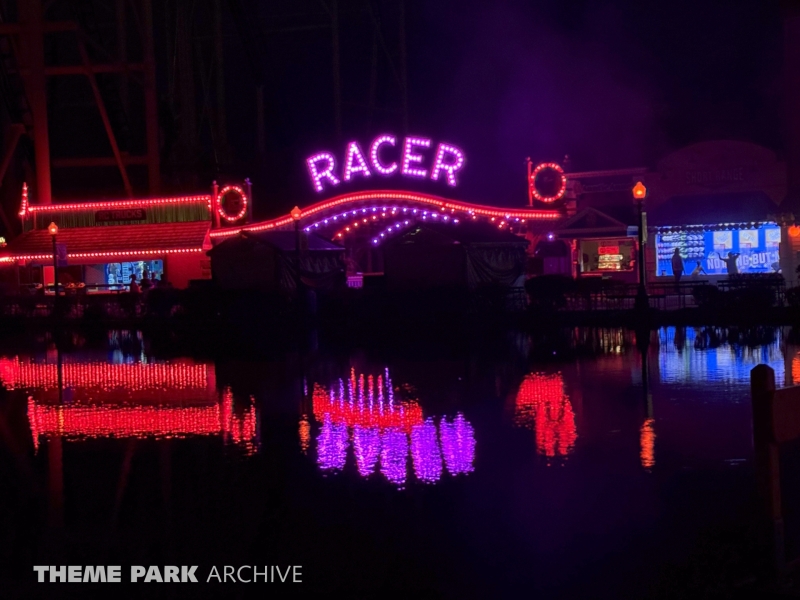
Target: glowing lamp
column 639, row 191
column 296, row 213
column 794, row 231
column 52, row 229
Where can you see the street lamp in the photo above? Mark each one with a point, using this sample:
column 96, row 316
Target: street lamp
column 639, row 194
column 52, row 229
column 296, row 214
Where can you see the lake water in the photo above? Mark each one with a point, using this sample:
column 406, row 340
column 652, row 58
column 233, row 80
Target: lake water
column 555, row 468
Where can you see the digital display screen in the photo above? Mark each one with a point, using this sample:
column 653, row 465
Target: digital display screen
column 753, row 250
column 120, row 273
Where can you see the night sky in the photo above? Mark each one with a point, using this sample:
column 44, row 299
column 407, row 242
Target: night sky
column 611, row 84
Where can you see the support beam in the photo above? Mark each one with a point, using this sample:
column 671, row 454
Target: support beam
column 15, row 131
column 104, row 116
column 150, row 100
column 31, row 28
column 103, row 68
column 98, row 161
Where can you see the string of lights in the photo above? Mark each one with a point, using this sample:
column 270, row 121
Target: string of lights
column 414, row 198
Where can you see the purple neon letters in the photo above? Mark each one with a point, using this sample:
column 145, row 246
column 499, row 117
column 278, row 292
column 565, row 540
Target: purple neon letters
column 384, row 159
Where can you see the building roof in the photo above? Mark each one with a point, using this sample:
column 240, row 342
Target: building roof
column 713, row 209
column 591, row 222
column 114, row 238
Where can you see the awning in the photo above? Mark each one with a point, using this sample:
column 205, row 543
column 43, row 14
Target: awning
column 101, row 242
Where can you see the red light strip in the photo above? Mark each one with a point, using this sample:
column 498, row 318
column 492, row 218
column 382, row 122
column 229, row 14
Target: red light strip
column 24, row 204
column 435, row 201
column 17, row 374
column 4, row 259
column 403, row 415
column 120, row 204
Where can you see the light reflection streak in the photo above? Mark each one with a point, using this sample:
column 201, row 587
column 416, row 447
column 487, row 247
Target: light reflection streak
column 130, row 400
column 384, row 433
column 647, row 443
column 543, row 406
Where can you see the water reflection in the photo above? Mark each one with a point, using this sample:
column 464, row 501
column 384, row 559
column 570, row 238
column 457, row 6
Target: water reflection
column 78, row 398
column 647, row 444
column 362, row 416
column 695, row 354
column 542, row 405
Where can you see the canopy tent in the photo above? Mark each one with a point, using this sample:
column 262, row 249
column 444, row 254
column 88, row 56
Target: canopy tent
column 267, row 261
column 466, row 254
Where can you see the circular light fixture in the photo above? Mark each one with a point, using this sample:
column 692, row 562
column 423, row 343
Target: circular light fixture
column 231, row 203
column 794, row 231
column 559, row 176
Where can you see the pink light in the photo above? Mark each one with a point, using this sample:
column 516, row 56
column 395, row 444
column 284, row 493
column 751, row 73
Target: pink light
column 355, row 155
column 375, row 156
column 455, row 163
column 327, row 173
column 6, row 259
column 24, row 204
column 562, row 187
column 410, row 158
column 221, row 210
column 383, row 195
column 120, row 204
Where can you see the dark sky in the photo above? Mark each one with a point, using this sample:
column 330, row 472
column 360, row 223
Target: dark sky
column 612, row 84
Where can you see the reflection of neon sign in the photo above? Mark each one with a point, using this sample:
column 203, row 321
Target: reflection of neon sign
column 361, row 413
column 542, row 405
column 82, row 421
column 409, row 161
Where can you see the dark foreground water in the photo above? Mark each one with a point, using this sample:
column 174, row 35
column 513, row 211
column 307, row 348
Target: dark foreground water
column 558, row 468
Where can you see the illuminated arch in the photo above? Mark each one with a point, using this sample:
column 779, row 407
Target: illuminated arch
column 359, row 200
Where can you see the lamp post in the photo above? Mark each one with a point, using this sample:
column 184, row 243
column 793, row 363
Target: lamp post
column 52, row 229
column 296, row 214
column 639, row 194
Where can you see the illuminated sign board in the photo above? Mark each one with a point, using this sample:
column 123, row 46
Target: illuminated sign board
column 126, row 214
column 388, row 156
column 754, row 250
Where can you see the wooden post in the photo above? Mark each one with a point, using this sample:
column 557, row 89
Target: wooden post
column 762, row 391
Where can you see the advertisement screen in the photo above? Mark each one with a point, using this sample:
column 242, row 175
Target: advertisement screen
column 711, row 252
column 120, row 273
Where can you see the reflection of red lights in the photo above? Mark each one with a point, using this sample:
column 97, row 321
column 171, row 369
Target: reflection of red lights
column 17, row 374
column 365, row 413
column 97, row 421
column 124, row 421
column 542, row 405
column 796, row 369
column 361, row 413
column 647, row 442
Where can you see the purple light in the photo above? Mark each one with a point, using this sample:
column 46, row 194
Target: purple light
column 332, row 446
column 551, row 237
column 425, row 452
column 410, row 158
column 318, row 175
column 374, row 151
column 366, row 447
column 394, row 452
column 450, row 160
column 458, row 444
column 375, row 240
